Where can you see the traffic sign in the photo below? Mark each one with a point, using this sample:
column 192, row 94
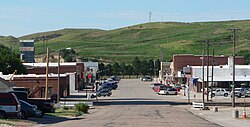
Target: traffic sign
column 232, row 85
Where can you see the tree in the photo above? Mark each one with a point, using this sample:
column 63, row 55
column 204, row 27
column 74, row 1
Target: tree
column 245, row 54
column 157, row 66
column 144, row 67
column 123, row 69
column 101, row 68
column 69, row 55
column 136, row 66
column 151, row 67
column 9, row 62
column 130, row 70
column 116, row 68
column 109, row 70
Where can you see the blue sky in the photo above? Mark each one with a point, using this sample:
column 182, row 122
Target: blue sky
column 22, row 17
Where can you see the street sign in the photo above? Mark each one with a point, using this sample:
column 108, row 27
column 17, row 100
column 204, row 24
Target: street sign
column 232, row 85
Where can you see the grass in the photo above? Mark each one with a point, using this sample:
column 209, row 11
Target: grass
column 147, row 41
column 6, row 123
column 62, row 112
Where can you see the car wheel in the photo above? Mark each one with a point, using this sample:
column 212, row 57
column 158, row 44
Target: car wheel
column 2, row 115
column 98, row 95
column 213, row 94
column 176, row 93
column 167, row 93
column 39, row 114
column 225, row 95
column 22, row 115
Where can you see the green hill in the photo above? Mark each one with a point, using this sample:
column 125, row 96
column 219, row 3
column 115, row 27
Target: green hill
column 150, row 40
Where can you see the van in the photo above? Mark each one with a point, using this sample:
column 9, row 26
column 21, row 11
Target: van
column 9, row 105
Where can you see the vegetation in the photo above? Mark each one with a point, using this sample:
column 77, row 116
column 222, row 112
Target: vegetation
column 139, row 67
column 10, row 62
column 63, row 112
column 159, row 40
column 81, row 107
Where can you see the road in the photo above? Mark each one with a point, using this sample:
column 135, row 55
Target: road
column 134, row 104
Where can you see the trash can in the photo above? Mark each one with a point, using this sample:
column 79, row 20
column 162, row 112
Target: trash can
column 235, row 113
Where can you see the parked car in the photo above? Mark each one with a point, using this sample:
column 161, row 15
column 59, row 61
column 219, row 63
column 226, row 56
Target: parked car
column 161, row 87
column 171, row 91
column 45, row 106
column 220, row 92
column 239, row 92
column 247, row 93
column 28, row 110
column 112, row 85
column 146, row 78
column 152, row 85
column 9, row 105
column 103, row 92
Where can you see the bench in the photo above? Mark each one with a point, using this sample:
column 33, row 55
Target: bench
column 199, row 105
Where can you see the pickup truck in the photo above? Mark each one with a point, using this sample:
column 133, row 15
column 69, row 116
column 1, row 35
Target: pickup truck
column 220, row 92
column 45, row 106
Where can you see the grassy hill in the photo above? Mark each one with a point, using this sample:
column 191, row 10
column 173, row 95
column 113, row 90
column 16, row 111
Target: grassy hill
column 151, row 40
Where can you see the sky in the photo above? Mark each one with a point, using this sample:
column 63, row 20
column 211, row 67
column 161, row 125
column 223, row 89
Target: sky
column 23, row 17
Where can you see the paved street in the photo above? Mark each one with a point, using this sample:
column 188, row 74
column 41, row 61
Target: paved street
column 134, row 104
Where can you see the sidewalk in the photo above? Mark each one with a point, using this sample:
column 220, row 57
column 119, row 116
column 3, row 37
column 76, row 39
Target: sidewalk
column 224, row 116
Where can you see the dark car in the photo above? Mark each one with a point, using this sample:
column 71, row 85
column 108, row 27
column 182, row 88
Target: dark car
column 28, row 110
column 112, row 85
column 45, row 106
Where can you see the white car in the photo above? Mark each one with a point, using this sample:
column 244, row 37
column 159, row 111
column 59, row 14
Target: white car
column 171, row 91
column 220, row 92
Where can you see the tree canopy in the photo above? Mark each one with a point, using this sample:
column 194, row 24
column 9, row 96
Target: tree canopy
column 9, row 61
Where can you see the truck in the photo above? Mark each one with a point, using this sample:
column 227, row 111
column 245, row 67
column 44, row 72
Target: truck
column 44, row 105
column 220, row 92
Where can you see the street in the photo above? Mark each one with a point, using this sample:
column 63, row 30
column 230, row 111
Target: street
column 135, row 104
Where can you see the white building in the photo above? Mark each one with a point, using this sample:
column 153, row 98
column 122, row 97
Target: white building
column 223, row 74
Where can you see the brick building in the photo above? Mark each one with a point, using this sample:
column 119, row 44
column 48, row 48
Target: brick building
column 72, row 67
column 36, row 84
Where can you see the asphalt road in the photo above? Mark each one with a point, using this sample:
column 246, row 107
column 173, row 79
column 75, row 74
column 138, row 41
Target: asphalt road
column 134, row 104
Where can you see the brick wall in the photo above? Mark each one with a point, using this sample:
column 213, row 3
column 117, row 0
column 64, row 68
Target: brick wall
column 180, row 61
column 36, row 83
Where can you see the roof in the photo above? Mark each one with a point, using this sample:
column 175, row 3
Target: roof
column 5, row 84
column 50, row 64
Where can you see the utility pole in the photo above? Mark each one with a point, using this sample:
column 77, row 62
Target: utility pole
column 58, row 82
column 47, row 72
column 212, row 80
column 203, row 85
column 233, row 83
column 206, row 41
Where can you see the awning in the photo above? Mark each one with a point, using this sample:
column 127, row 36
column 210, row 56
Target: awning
column 193, row 80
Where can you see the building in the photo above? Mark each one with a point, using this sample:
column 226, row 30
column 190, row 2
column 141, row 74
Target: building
column 185, row 60
column 5, row 85
column 65, row 68
column 36, row 84
column 27, row 51
column 222, row 76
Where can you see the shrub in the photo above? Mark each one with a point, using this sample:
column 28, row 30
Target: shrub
column 65, row 108
column 81, row 107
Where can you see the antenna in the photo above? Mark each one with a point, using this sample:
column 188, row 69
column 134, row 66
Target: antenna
column 150, row 16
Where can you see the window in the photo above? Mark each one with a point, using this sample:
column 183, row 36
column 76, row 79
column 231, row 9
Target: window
column 43, row 92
